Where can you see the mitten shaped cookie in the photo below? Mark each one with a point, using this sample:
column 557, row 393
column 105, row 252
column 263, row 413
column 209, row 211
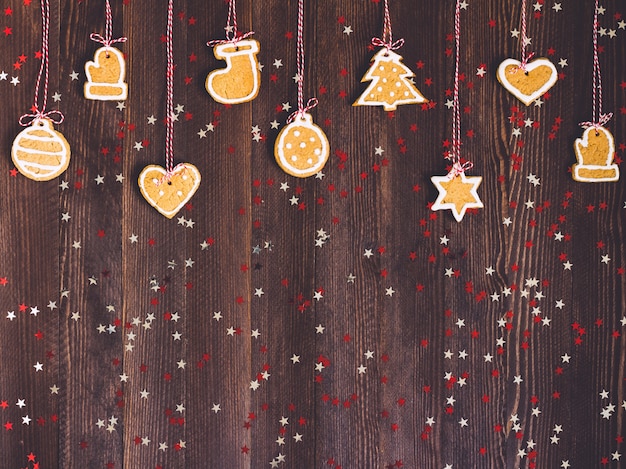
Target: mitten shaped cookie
column 595, row 153
column 105, row 76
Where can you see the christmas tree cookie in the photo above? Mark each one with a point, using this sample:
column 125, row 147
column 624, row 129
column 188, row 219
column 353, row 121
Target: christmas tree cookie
column 390, row 83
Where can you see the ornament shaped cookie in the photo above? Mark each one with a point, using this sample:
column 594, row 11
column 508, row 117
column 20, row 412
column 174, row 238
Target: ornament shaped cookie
column 390, row 85
column 595, row 152
column 105, row 76
column 168, row 194
column 239, row 82
column 457, row 193
column 301, row 148
column 529, row 83
column 39, row 152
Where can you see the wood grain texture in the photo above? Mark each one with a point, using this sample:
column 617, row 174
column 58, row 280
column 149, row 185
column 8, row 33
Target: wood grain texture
column 328, row 322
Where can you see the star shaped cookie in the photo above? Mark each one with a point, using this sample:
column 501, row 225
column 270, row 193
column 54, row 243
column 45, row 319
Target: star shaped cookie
column 457, row 193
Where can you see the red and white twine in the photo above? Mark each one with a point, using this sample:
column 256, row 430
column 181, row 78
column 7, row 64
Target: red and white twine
column 524, row 41
column 598, row 119
column 455, row 154
column 169, row 102
column 107, row 40
column 386, row 40
column 38, row 112
column 311, row 103
column 233, row 35
column 170, row 169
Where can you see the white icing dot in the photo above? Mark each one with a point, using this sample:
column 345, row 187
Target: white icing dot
column 398, row 84
column 309, row 161
column 379, row 89
column 288, row 146
column 294, row 158
column 381, row 67
column 296, row 133
column 302, row 145
column 406, row 93
column 394, row 69
column 179, row 193
column 161, row 193
column 392, row 94
column 155, row 180
column 311, row 139
column 317, row 152
column 184, row 177
column 384, row 80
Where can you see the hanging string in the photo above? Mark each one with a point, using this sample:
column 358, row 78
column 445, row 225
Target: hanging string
column 455, row 154
column 233, row 36
column 170, row 169
column 40, row 112
column 524, row 41
column 456, row 112
column 387, row 40
column 169, row 103
column 598, row 119
column 107, row 40
column 311, row 103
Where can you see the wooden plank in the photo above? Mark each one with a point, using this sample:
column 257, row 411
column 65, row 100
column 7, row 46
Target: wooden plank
column 29, row 298
column 219, row 244
column 90, row 211
column 152, row 254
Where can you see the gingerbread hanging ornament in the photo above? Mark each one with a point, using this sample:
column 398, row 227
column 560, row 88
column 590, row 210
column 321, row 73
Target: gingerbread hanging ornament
column 107, row 72
column 595, row 151
column 457, row 192
column 390, row 80
column 40, row 152
column 169, row 189
column 527, row 79
column 239, row 82
column 301, row 148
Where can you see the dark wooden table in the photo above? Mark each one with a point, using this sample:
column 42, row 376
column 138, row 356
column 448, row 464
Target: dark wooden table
column 328, row 322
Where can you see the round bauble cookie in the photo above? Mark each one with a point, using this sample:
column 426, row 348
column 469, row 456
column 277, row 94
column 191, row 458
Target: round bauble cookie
column 301, row 148
column 40, row 152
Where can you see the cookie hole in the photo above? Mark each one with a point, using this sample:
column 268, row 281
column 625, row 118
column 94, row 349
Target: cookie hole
column 236, row 48
column 526, row 72
column 597, row 133
column 169, row 183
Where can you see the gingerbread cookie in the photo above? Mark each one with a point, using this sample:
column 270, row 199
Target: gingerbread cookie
column 457, row 192
column 530, row 83
column 595, row 152
column 239, row 81
column 169, row 194
column 390, row 85
column 40, row 152
column 301, row 148
column 105, row 76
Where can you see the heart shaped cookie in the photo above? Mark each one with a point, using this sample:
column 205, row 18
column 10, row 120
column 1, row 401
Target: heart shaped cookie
column 169, row 195
column 530, row 84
